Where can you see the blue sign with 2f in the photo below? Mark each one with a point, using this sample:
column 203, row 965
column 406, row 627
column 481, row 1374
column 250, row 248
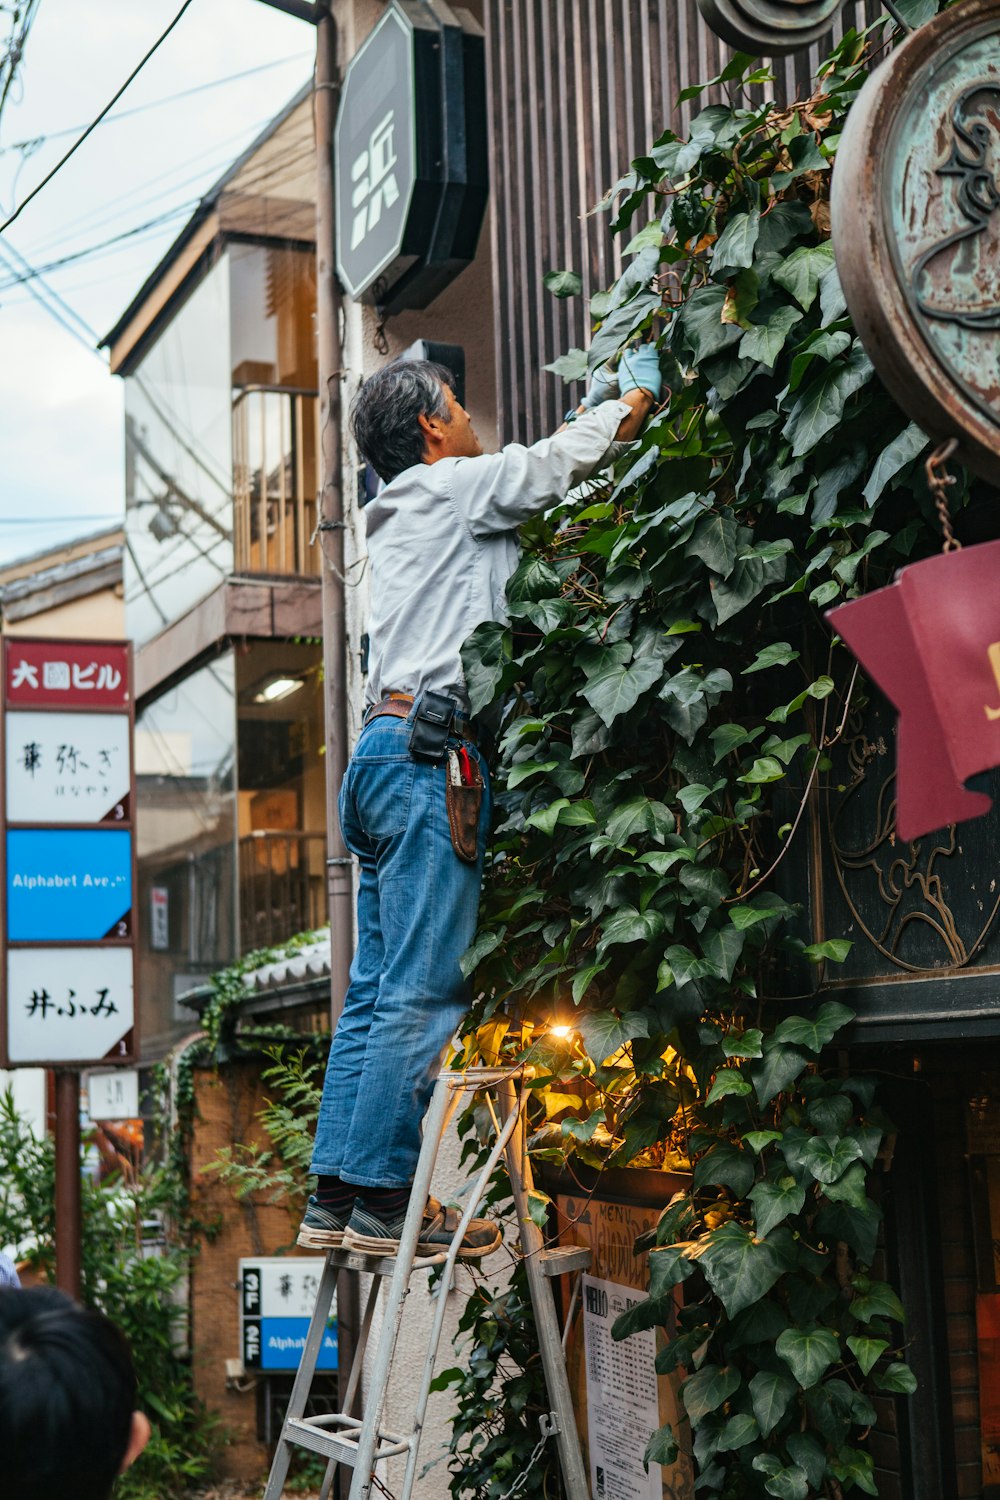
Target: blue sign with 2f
column 68, row 884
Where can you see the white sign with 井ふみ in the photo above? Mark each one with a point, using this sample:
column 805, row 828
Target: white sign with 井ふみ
column 69, row 1005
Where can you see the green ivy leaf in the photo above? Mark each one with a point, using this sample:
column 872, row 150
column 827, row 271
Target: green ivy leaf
column 728, row 1081
column 486, row 655
column 898, row 1378
column 716, row 542
column 626, row 925
column 706, row 1391
column 570, row 366
column 853, row 1467
column 763, row 342
column 485, row 944
column 722, row 947
column 739, row 1268
column 815, row 1032
column 808, row 1352
column 661, row 1448
column 850, row 1188
column 563, row 283
column 615, row 687
column 757, row 1140
column 584, row 979
column 902, row 450
column 765, row 910
column 773, row 1200
column 876, row 1299
column 834, row 948
column 777, row 655
column 776, row 1070
column 701, row 320
column 866, row 1351
column 546, row 818
column 668, row 1267
column 763, row 770
column 725, row 1166
column 808, row 1454
column 735, row 246
column 801, row 272
column 743, row 1044
column 604, row 1034
column 737, row 1432
column 828, row 1158
column 729, row 737
column 771, row 1395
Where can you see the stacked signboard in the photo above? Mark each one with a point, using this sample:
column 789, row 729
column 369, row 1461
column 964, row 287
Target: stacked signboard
column 69, row 854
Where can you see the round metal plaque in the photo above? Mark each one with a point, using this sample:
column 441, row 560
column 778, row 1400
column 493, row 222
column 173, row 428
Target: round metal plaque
column 770, row 27
column 916, row 227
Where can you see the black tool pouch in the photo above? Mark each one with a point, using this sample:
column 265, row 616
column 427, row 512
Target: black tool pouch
column 432, row 718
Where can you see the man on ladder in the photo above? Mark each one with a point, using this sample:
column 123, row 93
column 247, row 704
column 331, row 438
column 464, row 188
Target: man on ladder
column 414, row 806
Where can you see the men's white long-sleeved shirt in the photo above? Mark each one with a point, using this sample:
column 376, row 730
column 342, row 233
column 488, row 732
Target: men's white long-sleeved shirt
column 442, row 544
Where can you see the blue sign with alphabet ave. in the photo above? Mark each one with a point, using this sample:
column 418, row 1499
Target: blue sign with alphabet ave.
column 68, row 884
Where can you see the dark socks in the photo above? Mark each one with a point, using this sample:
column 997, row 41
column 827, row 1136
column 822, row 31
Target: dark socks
column 386, row 1203
column 336, row 1196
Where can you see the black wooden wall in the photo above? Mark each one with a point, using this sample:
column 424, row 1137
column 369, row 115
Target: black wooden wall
column 577, row 89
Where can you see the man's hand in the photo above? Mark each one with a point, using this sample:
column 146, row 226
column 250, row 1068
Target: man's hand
column 603, row 387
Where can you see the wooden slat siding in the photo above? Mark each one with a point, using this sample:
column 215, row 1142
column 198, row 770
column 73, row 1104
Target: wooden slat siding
column 958, row 1254
column 575, row 92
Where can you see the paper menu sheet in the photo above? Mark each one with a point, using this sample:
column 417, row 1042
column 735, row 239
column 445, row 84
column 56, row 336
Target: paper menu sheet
column 622, row 1397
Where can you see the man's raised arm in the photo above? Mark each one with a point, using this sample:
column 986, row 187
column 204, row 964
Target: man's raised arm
column 499, row 491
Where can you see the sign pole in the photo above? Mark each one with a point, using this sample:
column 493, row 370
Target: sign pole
column 68, row 1216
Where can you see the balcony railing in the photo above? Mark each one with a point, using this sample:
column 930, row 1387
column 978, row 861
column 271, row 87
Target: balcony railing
column 282, row 887
column 275, row 468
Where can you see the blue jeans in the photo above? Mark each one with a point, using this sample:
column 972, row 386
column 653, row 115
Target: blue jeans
column 417, row 911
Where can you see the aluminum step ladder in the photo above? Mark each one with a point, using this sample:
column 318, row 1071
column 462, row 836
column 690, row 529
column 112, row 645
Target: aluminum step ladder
column 361, row 1443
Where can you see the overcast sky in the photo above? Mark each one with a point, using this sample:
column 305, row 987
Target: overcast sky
column 60, row 409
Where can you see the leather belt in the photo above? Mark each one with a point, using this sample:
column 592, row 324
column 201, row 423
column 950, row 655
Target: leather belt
column 400, row 706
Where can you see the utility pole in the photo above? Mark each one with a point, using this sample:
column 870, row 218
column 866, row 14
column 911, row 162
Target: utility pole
column 331, row 505
column 330, row 509
column 340, row 890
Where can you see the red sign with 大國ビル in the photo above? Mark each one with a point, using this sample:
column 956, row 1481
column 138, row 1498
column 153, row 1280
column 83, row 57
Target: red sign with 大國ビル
column 59, row 674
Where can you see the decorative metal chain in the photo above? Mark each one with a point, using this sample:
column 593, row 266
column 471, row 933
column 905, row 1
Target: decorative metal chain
column 939, row 481
column 525, row 1473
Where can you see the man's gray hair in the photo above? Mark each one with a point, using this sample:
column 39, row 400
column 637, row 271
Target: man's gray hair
column 385, row 411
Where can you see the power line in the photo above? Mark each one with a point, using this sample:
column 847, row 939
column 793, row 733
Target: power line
column 289, row 158
column 97, row 218
column 15, row 48
column 89, row 344
column 48, row 520
column 117, row 239
column 138, row 109
column 97, row 120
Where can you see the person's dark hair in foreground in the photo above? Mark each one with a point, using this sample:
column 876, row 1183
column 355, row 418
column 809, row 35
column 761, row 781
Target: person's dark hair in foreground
column 68, row 1424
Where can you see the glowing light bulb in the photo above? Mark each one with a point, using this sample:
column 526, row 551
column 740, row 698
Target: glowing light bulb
column 561, row 1030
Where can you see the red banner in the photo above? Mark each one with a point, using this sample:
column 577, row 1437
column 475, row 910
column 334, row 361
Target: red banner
column 931, row 641
column 60, row 674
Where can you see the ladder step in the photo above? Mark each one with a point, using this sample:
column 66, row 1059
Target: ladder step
column 379, row 1265
column 563, row 1259
column 311, row 1433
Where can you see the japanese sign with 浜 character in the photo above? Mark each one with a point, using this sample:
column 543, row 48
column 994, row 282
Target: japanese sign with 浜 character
column 69, row 854
column 277, row 1295
column 68, row 767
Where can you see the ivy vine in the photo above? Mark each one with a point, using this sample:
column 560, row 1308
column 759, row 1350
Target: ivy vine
column 675, row 694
